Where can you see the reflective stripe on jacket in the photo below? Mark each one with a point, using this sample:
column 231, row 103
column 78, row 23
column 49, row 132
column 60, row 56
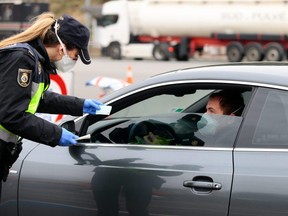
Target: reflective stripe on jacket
column 38, row 87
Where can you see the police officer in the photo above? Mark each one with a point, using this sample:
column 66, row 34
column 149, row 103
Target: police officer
column 26, row 61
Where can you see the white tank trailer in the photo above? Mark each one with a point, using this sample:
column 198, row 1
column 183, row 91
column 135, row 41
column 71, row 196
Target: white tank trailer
column 253, row 29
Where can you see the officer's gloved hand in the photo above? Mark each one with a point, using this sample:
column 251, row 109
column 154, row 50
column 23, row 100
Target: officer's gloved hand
column 67, row 138
column 91, row 106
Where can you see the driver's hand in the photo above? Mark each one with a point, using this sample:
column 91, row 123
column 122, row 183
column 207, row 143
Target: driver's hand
column 154, row 139
column 150, row 139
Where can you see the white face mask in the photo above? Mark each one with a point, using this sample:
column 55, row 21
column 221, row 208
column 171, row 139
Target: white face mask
column 66, row 63
column 207, row 125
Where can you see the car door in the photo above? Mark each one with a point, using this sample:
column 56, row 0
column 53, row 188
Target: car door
column 109, row 175
column 261, row 168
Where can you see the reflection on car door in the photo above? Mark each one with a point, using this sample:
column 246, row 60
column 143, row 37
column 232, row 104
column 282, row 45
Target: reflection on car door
column 161, row 179
column 150, row 179
column 116, row 179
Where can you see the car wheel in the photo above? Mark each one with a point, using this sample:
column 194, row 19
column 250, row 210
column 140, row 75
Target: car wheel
column 160, row 52
column 235, row 52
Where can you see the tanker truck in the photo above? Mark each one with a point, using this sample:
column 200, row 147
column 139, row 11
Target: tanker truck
column 253, row 30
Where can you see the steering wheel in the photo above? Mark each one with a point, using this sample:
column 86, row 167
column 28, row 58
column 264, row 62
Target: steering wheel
column 152, row 132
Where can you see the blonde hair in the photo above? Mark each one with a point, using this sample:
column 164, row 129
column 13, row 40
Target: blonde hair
column 39, row 28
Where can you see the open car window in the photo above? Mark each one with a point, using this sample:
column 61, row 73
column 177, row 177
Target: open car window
column 178, row 129
column 170, row 115
column 164, row 103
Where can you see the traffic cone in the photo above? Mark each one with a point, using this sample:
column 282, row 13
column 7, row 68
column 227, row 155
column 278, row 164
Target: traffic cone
column 129, row 75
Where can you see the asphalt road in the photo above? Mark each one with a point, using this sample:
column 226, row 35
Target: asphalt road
column 141, row 69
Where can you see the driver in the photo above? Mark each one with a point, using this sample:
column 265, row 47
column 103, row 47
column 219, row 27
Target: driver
column 225, row 103
column 158, row 133
column 220, row 103
column 218, row 118
column 185, row 129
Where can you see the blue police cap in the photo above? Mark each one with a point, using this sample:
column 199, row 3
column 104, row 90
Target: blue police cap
column 73, row 32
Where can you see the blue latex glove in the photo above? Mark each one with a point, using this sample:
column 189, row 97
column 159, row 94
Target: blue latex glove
column 91, row 106
column 67, row 138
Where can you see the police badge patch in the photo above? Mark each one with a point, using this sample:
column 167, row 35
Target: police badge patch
column 24, row 77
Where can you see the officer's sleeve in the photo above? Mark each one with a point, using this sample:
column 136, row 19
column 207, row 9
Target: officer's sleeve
column 55, row 103
column 16, row 75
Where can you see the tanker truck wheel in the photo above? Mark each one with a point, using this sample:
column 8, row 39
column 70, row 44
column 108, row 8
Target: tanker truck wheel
column 254, row 52
column 161, row 52
column 114, row 51
column 274, row 52
column 235, row 52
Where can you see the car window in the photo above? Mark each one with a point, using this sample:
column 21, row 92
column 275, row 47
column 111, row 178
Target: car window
column 177, row 129
column 272, row 126
column 164, row 103
column 169, row 115
column 107, row 20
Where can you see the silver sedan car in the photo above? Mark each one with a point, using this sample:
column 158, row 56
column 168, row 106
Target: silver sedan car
column 116, row 170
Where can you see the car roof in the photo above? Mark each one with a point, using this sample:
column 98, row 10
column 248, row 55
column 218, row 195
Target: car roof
column 267, row 74
column 256, row 73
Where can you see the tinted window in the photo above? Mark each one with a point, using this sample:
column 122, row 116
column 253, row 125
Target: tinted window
column 164, row 103
column 266, row 122
column 272, row 127
column 169, row 115
column 178, row 129
column 218, row 130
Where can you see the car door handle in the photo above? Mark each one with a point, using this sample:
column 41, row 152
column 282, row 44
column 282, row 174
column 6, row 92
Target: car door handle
column 203, row 184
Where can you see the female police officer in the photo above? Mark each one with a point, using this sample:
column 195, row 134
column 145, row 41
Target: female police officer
column 26, row 60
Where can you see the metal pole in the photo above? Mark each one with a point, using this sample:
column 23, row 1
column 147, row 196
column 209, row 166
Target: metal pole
column 87, row 14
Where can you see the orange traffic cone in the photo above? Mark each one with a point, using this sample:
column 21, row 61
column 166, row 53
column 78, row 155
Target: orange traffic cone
column 129, row 75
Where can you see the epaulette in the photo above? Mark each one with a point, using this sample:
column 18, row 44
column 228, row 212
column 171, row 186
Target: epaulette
column 31, row 51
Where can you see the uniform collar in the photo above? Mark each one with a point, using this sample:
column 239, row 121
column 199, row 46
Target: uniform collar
column 39, row 46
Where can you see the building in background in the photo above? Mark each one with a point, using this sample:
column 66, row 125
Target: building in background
column 15, row 16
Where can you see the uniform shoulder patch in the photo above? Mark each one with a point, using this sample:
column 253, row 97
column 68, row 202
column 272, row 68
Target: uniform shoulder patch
column 24, row 77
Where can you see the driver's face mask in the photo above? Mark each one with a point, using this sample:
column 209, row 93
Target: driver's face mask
column 66, row 63
column 207, row 125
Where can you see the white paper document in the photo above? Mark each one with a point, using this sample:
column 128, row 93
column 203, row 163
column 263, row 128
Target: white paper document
column 105, row 110
column 87, row 136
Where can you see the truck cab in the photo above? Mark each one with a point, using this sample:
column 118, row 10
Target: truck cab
column 114, row 34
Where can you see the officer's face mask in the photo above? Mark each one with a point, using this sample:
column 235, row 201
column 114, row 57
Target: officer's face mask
column 66, row 63
column 207, row 125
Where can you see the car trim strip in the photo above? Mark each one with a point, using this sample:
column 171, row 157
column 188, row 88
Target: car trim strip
column 261, row 149
column 130, row 146
column 184, row 147
column 254, row 84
